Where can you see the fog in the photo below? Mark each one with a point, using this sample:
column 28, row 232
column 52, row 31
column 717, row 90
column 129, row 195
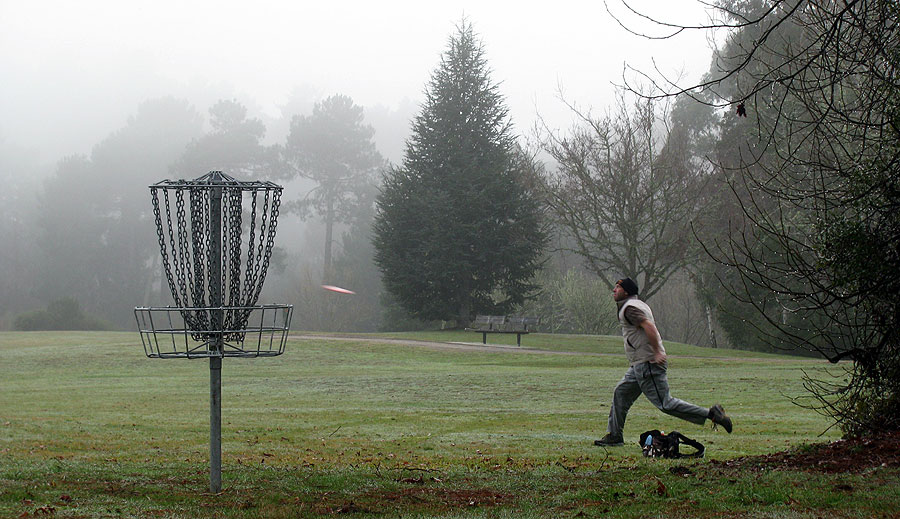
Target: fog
column 74, row 77
column 72, row 72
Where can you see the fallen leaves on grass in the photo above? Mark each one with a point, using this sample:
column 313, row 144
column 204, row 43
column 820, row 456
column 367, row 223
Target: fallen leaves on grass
column 680, row 470
column 660, row 488
column 852, row 455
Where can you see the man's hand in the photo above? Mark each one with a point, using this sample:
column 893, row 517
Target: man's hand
column 659, row 357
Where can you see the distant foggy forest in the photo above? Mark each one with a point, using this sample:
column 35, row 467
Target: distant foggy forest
column 81, row 230
column 81, row 242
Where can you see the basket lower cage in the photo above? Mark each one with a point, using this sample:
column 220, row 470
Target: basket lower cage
column 185, row 332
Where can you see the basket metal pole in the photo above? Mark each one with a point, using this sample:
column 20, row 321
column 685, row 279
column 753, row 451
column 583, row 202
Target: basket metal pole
column 216, row 343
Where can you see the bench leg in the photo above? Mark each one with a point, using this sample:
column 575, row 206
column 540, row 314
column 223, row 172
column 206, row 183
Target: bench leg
column 483, row 337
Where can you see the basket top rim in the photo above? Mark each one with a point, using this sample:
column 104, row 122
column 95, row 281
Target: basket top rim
column 214, row 179
column 265, row 306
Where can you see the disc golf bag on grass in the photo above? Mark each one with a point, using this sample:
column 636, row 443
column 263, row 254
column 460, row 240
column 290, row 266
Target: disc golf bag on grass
column 656, row 444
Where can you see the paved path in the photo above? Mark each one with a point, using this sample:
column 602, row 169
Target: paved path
column 500, row 348
column 469, row 346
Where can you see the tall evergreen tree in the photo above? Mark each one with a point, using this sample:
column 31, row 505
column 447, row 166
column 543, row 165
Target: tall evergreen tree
column 458, row 230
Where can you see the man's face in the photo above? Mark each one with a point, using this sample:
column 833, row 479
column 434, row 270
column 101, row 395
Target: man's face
column 619, row 293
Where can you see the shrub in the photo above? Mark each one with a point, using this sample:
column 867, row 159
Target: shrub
column 62, row 314
column 572, row 302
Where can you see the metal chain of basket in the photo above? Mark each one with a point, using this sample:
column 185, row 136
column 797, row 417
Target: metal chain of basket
column 185, row 247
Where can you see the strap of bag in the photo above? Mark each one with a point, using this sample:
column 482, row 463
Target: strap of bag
column 687, row 441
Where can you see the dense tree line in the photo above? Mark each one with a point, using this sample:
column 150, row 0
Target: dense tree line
column 807, row 163
column 85, row 236
column 94, row 234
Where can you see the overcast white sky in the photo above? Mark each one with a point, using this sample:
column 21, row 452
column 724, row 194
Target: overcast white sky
column 72, row 71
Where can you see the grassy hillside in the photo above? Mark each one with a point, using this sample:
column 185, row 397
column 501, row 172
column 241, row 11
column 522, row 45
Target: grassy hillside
column 90, row 427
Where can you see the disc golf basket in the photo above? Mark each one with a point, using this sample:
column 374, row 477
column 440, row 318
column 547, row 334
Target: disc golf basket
column 215, row 236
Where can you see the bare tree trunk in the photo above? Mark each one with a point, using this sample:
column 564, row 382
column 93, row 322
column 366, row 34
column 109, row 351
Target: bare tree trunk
column 709, row 326
column 153, row 282
column 465, row 308
column 329, row 234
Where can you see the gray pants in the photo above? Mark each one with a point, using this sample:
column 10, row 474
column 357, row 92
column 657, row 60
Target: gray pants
column 650, row 379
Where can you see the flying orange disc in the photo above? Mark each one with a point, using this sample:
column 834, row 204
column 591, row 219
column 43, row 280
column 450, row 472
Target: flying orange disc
column 339, row 290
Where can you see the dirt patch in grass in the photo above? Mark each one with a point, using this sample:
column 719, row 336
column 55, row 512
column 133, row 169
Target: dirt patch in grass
column 453, row 498
column 841, row 456
column 433, row 499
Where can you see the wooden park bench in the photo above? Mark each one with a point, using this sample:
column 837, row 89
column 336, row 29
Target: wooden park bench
column 518, row 325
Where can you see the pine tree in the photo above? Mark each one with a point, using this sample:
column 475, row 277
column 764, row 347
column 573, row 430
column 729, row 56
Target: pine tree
column 335, row 148
column 458, row 231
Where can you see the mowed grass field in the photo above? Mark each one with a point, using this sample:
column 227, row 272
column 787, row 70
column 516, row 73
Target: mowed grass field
column 361, row 427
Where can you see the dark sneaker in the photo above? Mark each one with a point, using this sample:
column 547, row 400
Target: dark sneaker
column 718, row 417
column 609, row 441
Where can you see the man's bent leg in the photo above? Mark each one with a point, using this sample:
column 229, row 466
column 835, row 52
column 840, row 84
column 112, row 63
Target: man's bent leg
column 655, row 386
column 627, row 391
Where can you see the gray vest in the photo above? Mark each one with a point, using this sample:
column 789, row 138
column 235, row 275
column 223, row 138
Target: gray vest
column 637, row 346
